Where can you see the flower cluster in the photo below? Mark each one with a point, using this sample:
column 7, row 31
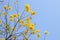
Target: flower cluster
column 16, row 25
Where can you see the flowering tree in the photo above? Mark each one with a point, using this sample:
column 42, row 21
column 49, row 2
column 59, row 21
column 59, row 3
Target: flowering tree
column 16, row 26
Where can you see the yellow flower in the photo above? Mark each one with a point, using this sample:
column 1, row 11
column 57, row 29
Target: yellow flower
column 10, row 8
column 38, row 35
column 25, row 31
column 27, row 7
column 11, row 19
column 21, row 22
column 0, row 21
column 32, row 13
column 15, row 15
column 5, row 7
column 32, row 32
column 37, row 30
column 2, row 38
column 18, row 14
column 31, row 27
column 46, row 32
column 3, row 13
column 25, row 24
column 11, row 16
column 28, row 20
column 13, row 28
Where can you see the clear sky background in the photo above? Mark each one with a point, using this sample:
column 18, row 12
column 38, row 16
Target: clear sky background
column 47, row 16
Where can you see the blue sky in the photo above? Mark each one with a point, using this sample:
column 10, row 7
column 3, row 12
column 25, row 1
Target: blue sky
column 47, row 16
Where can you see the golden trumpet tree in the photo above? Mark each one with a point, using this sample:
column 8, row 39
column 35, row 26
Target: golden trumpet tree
column 17, row 26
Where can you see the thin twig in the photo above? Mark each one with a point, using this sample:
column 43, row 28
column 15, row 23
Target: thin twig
column 45, row 37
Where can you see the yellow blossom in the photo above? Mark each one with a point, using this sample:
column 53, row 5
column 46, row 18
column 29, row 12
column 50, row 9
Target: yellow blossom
column 32, row 13
column 11, row 16
column 11, row 19
column 46, row 32
column 13, row 28
column 27, row 7
column 10, row 8
column 25, row 24
column 31, row 26
column 18, row 14
column 28, row 20
column 37, row 30
column 21, row 22
column 25, row 31
column 3, row 13
column 32, row 32
column 5, row 7
column 15, row 15
column 38, row 35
